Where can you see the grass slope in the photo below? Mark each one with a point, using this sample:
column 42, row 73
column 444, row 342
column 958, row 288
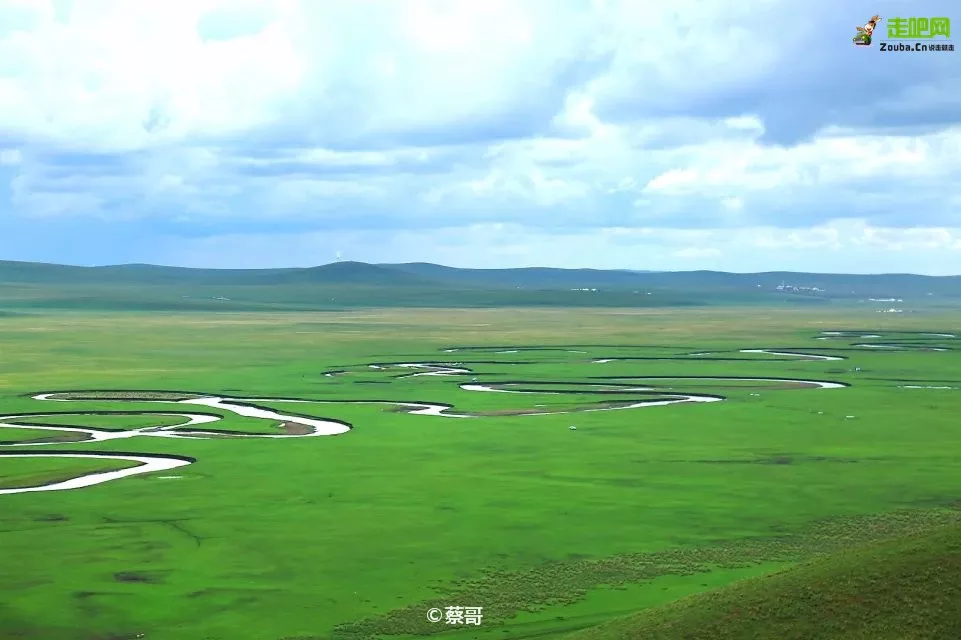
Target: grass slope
column 895, row 590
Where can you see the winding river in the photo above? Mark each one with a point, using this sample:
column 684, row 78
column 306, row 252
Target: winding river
column 300, row 426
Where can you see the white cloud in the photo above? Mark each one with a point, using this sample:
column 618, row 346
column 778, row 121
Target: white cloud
column 673, row 179
column 821, row 237
column 824, row 161
column 732, row 203
column 745, row 123
column 125, row 75
column 568, row 119
column 397, row 65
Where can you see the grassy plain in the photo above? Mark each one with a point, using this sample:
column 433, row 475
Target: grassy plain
column 550, row 530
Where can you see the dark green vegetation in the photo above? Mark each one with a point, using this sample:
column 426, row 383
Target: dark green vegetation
column 172, row 396
column 122, row 421
column 35, row 436
column 32, row 472
column 894, row 590
column 345, row 285
column 550, row 530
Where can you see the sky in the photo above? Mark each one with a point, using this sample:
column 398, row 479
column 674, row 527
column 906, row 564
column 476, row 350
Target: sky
column 664, row 135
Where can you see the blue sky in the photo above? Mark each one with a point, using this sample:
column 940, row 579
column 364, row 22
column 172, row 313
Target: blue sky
column 648, row 135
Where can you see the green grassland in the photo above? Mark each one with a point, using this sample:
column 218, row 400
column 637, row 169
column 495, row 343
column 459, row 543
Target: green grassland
column 32, row 472
column 551, row 531
column 299, row 297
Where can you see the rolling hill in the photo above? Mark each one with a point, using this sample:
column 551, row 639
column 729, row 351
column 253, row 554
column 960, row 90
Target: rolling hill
column 28, row 285
column 904, row 588
column 146, row 274
column 835, row 285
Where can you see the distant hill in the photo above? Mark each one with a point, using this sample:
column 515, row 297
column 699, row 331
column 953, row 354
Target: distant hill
column 527, row 277
column 356, row 284
column 146, row 274
column 835, row 285
column 353, row 273
column 904, row 588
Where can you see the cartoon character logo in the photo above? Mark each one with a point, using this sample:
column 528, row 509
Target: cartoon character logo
column 863, row 37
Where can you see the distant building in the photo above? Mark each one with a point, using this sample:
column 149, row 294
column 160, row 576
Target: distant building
column 797, row 289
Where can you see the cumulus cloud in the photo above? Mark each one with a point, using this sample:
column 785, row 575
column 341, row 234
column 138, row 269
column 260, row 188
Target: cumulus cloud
column 662, row 135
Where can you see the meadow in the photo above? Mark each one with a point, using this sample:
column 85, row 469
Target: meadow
column 752, row 469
